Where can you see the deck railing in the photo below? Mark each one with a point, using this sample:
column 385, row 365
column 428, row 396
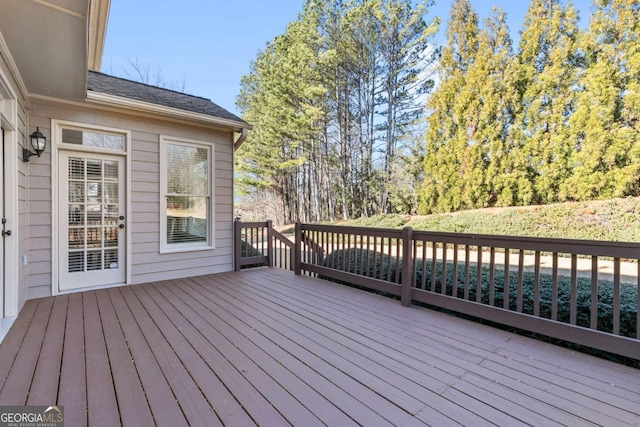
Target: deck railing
column 585, row 292
column 259, row 244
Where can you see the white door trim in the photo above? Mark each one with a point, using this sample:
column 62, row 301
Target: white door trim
column 56, row 146
column 9, row 121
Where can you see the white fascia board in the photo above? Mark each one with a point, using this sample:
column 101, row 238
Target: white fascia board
column 13, row 68
column 98, row 18
column 133, row 104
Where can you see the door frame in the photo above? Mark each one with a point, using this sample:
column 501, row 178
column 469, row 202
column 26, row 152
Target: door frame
column 56, row 146
column 9, row 122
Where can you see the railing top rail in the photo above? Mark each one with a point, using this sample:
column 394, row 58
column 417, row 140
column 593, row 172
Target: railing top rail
column 346, row 229
column 253, row 224
column 288, row 243
column 577, row 246
column 544, row 244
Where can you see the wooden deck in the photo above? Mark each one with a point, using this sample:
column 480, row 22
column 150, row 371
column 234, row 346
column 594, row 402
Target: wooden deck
column 266, row 347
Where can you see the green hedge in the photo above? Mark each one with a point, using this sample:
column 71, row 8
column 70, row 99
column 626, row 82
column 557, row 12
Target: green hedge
column 348, row 259
column 609, row 220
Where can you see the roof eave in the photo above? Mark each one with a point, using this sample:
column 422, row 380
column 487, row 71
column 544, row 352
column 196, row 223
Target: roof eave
column 97, row 23
column 135, row 105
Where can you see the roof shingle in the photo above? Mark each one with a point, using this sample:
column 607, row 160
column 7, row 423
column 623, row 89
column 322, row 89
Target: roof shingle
column 110, row 85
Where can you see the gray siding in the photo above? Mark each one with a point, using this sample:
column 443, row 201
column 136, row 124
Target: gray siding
column 147, row 262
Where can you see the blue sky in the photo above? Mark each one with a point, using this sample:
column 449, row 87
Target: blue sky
column 208, row 44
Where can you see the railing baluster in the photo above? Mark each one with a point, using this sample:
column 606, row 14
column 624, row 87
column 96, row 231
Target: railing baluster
column 443, row 282
column 407, row 263
column 313, row 250
column 398, row 243
column 505, row 285
column 334, row 249
column 492, row 277
column 349, row 249
column 368, row 257
column 414, row 268
column 616, row 296
column 361, row 244
column 423, row 282
column 434, row 266
column 536, row 285
column 573, row 305
column 467, row 264
column 479, row 276
column 454, row 289
column 345, row 253
column 638, row 302
column 325, row 248
column 520, row 307
column 554, row 292
column 375, row 255
column 594, row 292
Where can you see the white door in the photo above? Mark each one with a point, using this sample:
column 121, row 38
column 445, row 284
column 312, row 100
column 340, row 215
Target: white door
column 91, row 220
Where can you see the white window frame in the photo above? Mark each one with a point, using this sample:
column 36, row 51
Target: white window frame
column 62, row 125
column 209, row 244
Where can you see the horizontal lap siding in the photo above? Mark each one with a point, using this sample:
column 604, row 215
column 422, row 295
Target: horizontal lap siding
column 147, row 262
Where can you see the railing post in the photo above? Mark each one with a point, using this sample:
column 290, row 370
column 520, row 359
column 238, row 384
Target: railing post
column 407, row 262
column 269, row 243
column 237, row 247
column 297, row 250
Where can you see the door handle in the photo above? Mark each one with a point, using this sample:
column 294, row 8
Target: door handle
column 121, row 226
column 6, row 233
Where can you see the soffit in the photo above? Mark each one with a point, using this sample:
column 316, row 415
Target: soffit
column 48, row 42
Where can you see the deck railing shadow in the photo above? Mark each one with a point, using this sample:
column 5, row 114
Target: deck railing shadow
column 540, row 285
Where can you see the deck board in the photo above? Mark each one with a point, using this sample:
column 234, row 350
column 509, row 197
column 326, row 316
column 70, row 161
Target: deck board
column 102, row 405
column 13, row 341
column 73, row 383
column 256, row 404
column 288, row 336
column 44, row 387
column 132, row 401
column 304, row 363
column 162, row 401
column 15, row 390
column 194, row 406
column 191, row 370
column 295, row 396
column 329, row 345
column 266, row 347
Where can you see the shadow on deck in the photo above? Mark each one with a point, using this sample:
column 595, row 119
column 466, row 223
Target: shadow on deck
column 266, row 347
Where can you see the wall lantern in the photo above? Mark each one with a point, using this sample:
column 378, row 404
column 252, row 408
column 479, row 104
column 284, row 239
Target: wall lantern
column 38, row 143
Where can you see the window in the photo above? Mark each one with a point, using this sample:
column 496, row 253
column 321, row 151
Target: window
column 186, row 195
column 93, row 139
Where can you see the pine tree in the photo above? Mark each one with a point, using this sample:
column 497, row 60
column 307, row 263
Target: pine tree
column 497, row 111
column 404, row 37
column 606, row 121
column 450, row 153
column 281, row 97
column 546, row 75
